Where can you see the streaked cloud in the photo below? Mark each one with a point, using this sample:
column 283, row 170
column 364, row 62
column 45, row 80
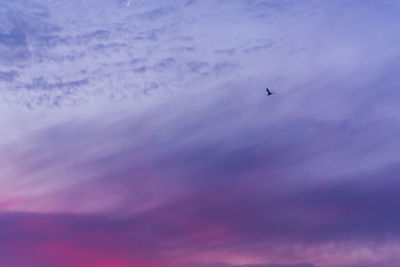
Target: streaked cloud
column 142, row 136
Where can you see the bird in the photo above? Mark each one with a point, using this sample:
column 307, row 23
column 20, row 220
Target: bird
column 269, row 93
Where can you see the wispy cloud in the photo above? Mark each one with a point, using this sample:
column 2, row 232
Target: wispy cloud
column 143, row 135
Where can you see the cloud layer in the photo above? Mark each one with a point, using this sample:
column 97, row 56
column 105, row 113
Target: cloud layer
column 140, row 134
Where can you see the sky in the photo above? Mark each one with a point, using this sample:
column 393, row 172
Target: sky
column 138, row 133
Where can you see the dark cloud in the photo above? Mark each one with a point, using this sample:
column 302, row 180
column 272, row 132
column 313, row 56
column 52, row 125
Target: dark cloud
column 49, row 41
column 14, row 47
column 257, row 265
column 98, row 35
column 190, row 2
column 236, row 217
column 196, row 66
column 16, row 38
column 8, row 76
column 11, row 57
column 165, row 63
column 230, row 51
column 111, row 47
column 223, row 67
column 42, row 85
column 157, row 13
column 46, row 57
column 278, row 6
column 257, row 48
column 280, row 265
column 141, row 69
column 184, row 49
column 154, row 34
column 150, row 87
column 102, row 240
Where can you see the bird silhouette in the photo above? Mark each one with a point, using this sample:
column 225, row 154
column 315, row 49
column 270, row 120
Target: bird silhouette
column 269, row 93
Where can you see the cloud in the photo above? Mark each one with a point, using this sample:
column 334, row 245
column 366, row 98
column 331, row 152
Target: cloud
column 157, row 13
column 220, row 221
column 149, row 139
column 41, row 84
column 15, row 38
column 195, row 66
column 8, row 76
column 204, row 183
column 50, row 39
column 280, row 265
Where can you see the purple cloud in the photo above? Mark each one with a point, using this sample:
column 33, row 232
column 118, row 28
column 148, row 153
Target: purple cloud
column 141, row 135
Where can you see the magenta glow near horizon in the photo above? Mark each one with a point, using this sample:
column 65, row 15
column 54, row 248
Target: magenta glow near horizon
column 139, row 133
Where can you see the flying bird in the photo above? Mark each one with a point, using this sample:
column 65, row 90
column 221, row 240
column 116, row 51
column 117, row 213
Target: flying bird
column 269, row 93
